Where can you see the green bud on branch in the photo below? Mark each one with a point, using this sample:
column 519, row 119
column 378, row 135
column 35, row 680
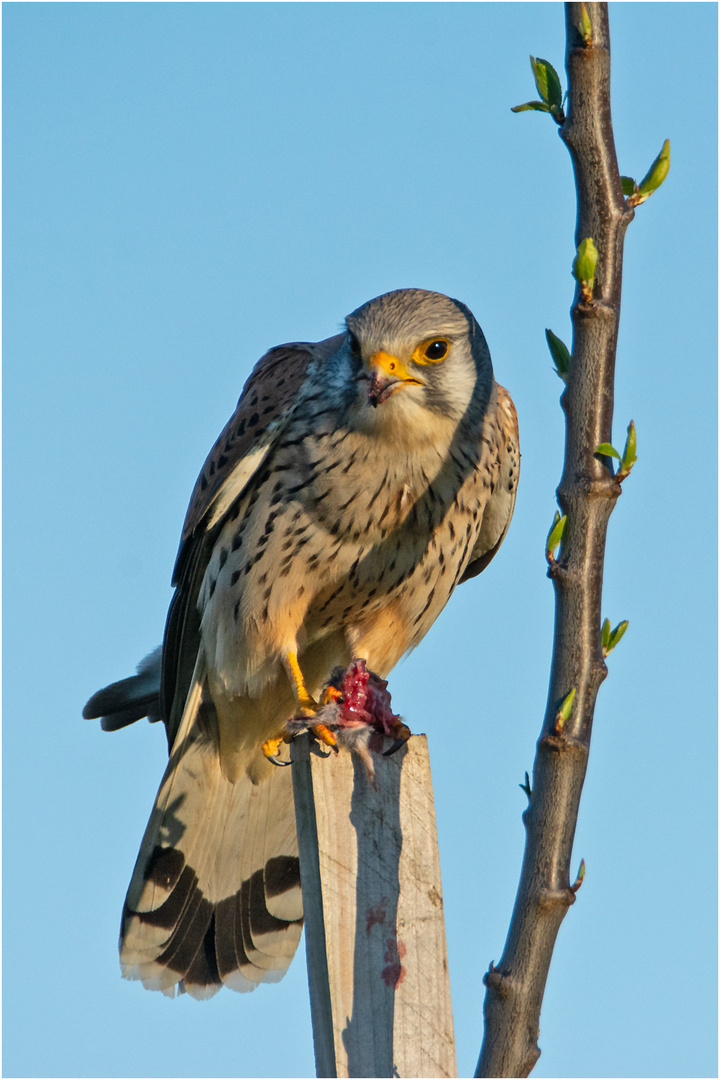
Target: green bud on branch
column 610, row 638
column 526, row 787
column 655, row 177
column 580, row 877
column 629, row 453
column 535, row 106
column 584, row 265
column 547, row 82
column 628, row 457
column 584, row 25
column 563, row 713
column 605, row 636
column 549, row 89
column 560, row 354
column 608, row 450
column 555, row 536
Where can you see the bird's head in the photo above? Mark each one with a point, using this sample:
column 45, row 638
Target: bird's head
column 415, row 356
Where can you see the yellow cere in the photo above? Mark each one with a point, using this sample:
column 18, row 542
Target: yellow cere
column 391, row 366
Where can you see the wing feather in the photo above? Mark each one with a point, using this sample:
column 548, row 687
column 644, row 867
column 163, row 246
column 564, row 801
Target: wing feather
column 264, row 406
column 267, row 397
column 128, row 700
column 499, row 510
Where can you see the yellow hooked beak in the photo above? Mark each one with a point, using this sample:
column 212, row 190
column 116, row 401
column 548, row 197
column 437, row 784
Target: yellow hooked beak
column 387, row 374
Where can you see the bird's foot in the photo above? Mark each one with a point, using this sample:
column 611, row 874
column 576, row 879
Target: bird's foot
column 309, row 708
column 362, row 716
column 330, row 694
column 271, row 748
column 308, row 720
column 323, row 734
column 354, row 710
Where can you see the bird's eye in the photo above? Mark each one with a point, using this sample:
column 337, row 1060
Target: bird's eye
column 435, row 350
column 431, row 351
column 354, row 345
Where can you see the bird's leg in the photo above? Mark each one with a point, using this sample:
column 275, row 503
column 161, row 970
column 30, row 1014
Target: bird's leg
column 306, row 704
column 307, row 708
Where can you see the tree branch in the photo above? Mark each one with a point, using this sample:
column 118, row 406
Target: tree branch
column 586, row 495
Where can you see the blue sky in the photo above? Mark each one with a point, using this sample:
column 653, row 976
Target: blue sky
column 189, row 184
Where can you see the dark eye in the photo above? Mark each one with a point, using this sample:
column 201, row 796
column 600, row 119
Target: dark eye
column 354, row 345
column 436, row 350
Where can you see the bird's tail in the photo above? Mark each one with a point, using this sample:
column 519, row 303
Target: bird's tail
column 215, row 897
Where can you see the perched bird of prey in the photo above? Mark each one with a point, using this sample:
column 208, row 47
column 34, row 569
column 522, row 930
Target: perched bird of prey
column 359, row 480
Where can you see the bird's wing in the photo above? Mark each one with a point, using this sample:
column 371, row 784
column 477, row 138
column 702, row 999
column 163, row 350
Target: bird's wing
column 215, row 897
column 161, row 685
column 499, row 510
column 246, row 440
column 128, row 700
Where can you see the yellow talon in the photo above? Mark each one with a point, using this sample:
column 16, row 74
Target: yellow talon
column 324, row 734
column 330, row 693
column 271, row 747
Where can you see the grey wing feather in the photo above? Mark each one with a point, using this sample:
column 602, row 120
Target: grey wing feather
column 128, row 700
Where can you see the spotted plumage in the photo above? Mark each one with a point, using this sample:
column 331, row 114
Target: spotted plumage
column 358, row 482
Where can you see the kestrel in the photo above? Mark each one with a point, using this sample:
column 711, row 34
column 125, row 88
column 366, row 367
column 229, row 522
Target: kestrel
column 359, row 480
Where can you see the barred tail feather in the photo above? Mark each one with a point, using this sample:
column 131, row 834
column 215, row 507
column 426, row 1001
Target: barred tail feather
column 215, row 896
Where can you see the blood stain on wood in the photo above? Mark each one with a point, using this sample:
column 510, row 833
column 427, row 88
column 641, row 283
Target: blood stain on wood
column 394, row 973
column 375, row 916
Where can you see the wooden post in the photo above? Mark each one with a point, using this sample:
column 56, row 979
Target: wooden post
column 375, row 934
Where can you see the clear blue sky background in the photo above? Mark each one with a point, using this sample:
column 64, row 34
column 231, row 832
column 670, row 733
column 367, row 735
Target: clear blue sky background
column 189, row 184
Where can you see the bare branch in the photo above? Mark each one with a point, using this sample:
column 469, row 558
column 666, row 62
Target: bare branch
column 586, row 495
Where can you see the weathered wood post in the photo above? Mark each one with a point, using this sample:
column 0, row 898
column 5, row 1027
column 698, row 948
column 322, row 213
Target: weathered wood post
column 375, row 933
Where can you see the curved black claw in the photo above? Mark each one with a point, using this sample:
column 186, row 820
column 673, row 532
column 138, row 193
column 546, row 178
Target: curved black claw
column 277, row 761
column 315, row 749
column 394, row 748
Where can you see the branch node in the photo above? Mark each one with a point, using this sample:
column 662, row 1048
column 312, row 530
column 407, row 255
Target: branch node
column 591, row 487
column 562, row 743
column 558, row 571
column 499, row 981
column 594, row 309
column 606, row 487
column 551, row 898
